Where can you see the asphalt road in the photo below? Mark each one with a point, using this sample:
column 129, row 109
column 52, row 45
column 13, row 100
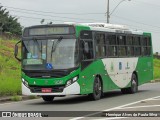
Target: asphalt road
column 81, row 103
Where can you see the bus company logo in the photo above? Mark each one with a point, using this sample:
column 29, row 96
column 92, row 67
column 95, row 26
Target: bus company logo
column 6, row 114
column 127, row 66
column 59, row 82
column 120, row 65
column 112, row 67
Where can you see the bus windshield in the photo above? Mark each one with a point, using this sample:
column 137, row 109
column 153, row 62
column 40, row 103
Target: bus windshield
column 49, row 54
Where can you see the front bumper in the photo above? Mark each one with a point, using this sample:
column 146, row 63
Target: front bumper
column 73, row 89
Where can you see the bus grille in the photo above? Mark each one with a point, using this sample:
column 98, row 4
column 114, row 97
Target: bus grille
column 55, row 89
column 47, row 74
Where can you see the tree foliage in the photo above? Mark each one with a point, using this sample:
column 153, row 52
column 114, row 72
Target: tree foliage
column 9, row 23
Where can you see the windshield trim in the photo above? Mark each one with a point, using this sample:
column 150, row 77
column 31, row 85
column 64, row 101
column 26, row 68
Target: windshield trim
column 49, row 37
column 69, row 69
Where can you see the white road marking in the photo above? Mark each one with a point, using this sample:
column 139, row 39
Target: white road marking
column 114, row 118
column 77, row 118
column 156, row 99
column 140, row 107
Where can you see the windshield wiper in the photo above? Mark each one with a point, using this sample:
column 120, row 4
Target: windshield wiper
column 39, row 47
column 55, row 46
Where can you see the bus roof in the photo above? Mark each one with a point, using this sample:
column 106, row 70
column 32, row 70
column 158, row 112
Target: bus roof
column 111, row 28
column 99, row 27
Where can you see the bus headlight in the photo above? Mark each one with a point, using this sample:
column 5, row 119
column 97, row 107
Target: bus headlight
column 75, row 79
column 71, row 81
column 25, row 82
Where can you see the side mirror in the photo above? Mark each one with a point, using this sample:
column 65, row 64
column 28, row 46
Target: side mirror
column 16, row 51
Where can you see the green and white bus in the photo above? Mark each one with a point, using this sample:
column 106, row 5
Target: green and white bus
column 84, row 59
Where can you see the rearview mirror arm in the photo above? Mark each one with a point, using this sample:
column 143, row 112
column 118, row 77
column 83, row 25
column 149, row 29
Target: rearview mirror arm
column 16, row 51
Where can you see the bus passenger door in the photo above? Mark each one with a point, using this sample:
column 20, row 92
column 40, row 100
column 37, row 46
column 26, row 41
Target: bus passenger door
column 87, row 70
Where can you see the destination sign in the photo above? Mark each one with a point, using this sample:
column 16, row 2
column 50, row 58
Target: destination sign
column 54, row 30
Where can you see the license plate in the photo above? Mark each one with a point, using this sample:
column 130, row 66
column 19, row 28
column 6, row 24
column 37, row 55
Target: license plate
column 46, row 90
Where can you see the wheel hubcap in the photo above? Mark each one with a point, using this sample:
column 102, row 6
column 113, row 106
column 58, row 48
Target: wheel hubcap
column 97, row 87
column 134, row 85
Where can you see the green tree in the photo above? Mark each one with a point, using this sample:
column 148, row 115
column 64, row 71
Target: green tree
column 9, row 23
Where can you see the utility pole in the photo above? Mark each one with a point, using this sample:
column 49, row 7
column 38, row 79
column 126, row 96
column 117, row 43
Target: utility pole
column 108, row 11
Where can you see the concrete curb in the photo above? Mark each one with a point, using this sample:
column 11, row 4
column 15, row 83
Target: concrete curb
column 9, row 98
column 154, row 81
column 5, row 99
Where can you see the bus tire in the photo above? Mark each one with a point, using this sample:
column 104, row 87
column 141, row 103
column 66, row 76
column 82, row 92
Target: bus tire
column 134, row 86
column 124, row 90
column 97, row 89
column 48, row 98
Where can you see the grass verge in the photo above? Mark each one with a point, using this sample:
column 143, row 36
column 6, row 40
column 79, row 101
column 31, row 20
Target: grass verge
column 16, row 98
column 156, row 69
column 10, row 83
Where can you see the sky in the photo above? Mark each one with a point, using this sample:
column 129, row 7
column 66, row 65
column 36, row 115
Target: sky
column 136, row 14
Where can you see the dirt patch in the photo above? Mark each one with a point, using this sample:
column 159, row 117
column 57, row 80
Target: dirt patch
column 13, row 68
column 8, row 44
column 6, row 53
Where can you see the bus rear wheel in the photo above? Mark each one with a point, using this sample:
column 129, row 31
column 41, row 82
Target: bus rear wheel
column 97, row 89
column 48, row 98
column 134, row 86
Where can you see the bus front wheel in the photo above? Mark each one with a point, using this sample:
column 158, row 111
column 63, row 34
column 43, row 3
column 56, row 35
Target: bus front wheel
column 48, row 98
column 97, row 89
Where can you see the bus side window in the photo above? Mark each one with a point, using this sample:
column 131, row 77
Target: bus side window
column 112, row 51
column 122, row 51
column 87, row 50
column 112, row 46
column 129, row 45
column 100, row 45
column 146, row 46
column 137, row 47
column 149, row 46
